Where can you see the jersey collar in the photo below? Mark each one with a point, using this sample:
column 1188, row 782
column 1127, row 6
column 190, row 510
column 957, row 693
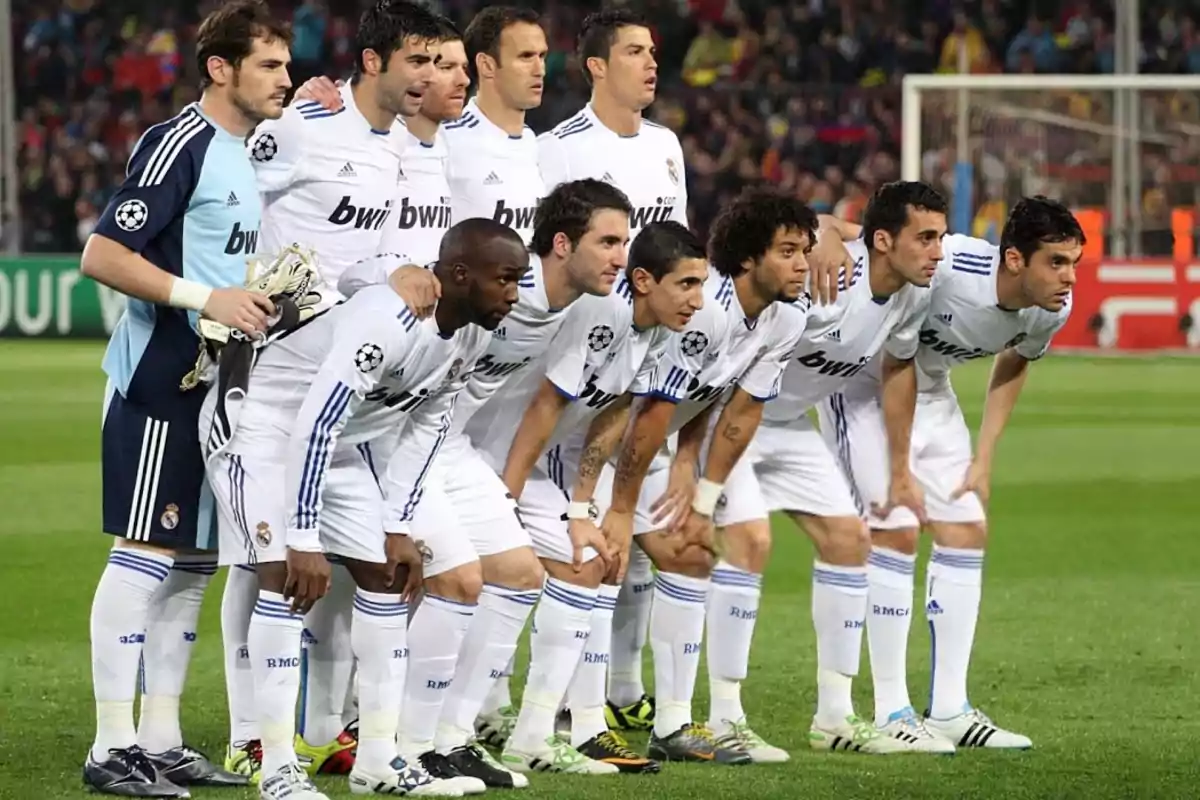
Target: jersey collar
column 473, row 108
column 590, row 113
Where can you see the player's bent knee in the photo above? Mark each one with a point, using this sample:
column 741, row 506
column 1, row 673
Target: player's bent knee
column 375, row 577
column 519, row 568
column 747, row 545
column 590, row 575
column 463, row 584
column 902, row 540
column 843, row 541
column 965, row 535
column 272, row 576
column 693, row 561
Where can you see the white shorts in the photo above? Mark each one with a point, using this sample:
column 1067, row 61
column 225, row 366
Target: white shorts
column 939, row 458
column 742, row 501
column 465, row 511
column 797, row 471
column 542, row 506
column 253, row 511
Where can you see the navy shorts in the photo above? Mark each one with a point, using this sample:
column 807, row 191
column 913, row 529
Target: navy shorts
column 154, row 490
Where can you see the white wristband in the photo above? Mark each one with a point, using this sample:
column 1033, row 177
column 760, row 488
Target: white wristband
column 707, row 495
column 580, row 510
column 189, row 294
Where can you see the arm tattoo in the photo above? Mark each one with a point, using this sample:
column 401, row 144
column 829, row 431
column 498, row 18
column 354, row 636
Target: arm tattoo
column 592, row 460
column 732, row 432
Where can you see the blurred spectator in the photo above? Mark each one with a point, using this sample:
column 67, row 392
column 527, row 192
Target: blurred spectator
column 804, row 94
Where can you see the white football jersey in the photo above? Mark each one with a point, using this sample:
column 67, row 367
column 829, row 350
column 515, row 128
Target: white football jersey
column 421, row 212
column 840, row 339
column 327, row 180
column 521, row 340
column 647, row 167
column 963, row 319
column 593, row 359
column 362, row 371
column 721, row 347
column 492, row 175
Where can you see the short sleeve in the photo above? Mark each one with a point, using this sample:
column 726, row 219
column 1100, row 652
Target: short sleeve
column 566, row 365
column 159, row 179
column 764, row 376
column 683, row 358
column 276, row 149
column 1047, row 325
column 552, row 161
column 904, row 339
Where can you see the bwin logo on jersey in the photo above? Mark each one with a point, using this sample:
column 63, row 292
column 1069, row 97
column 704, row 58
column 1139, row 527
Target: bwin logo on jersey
column 425, row 217
column 513, row 217
column 489, row 367
column 702, row 394
column 644, row 215
column 361, row 217
column 404, row 402
column 241, row 241
column 829, row 366
column 930, row 338
column 596, row 397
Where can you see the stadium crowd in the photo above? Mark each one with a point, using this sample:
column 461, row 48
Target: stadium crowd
column 803, row 94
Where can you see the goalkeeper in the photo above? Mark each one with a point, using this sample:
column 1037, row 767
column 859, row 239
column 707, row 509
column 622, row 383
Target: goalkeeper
column 173, row 238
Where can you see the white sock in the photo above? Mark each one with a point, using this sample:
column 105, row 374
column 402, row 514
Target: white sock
column 500, row 696
column 731, row 614
column 378, row 637
column 586, row 694
column 237, row 604
column 435, row 639
column 490, row 643
column 890, row 600
column 328, row 660
column 839, row 606
column 560, row 632
column 170, row 635
column 630, row 630
column 953, row 585
column 126, row 590
column 274, row 642
column 676, row 631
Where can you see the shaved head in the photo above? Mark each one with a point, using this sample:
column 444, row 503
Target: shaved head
column 477, row 242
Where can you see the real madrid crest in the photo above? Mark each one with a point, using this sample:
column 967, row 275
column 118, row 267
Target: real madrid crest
column 170, row 517
column 262, row 534
column 673, row 171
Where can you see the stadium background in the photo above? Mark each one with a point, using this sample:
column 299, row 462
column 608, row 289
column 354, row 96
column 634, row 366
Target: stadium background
column 1085, row 641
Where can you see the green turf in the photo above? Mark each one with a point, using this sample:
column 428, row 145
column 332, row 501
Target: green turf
column 1083, row 644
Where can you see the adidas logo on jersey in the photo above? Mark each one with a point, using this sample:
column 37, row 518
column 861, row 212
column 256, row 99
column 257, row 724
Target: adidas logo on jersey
column 232, row 201
column 500, row 333
column 944, row 318
column 347, row 171
column 492, row 180
column 608, row 178
column 835, row 335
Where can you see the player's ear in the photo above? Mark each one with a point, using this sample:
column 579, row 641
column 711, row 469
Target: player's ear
column 643, row 282
column 460, row 274
column 372, row 63
column 485, row 65
column 882, row 241
column 562, row 245
column 219, row 70
column 595, row 67
column 1013, row 260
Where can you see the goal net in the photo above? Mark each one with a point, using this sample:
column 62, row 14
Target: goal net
column 1123, row 151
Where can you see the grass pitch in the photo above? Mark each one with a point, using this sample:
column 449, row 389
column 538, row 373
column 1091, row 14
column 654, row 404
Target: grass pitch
column 1086, row 643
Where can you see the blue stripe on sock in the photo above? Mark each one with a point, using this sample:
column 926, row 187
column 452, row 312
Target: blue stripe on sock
column 453, row 606
column 561, row 593
column 675, row 591
column 519, row 596
column 736, row 577
column 375, row 608
column 957, row 560
column 152, row 567
column 904, row 566
column 841, row 579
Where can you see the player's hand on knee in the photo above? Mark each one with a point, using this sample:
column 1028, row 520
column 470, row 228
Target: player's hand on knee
column 978, row 480
column 402, row 553
column 903, row 492
column 323, row 91
column 698, row 531
column 233, row 307
column 585, row 534
column 617, row 528
column 308, row 579
column 670, row 512
column 827, row 263
column 418, row 288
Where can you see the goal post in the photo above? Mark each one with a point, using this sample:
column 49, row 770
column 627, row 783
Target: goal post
column 1122, row 151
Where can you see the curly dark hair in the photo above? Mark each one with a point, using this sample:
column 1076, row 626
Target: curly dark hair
column 746, row 228
column 386, row 25
column 1038, row 220
column 569, row 209
column 887, row 210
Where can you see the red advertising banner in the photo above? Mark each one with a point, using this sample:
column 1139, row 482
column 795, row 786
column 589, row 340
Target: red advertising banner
column 1141, row 305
